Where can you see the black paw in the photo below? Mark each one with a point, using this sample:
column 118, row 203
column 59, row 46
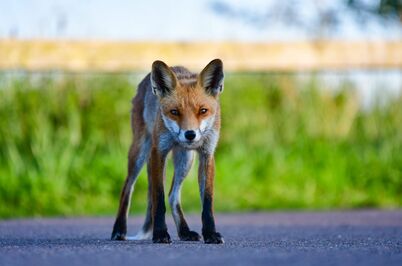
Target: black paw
column 118, row 236
column 213, row 238
column 190, row 236
column 119, row 230
column 161, row 237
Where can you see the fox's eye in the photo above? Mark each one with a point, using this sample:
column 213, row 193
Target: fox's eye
column 203, row 111
column 174, row 112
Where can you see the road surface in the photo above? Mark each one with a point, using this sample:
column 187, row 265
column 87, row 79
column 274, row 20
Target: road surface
column 366, row 237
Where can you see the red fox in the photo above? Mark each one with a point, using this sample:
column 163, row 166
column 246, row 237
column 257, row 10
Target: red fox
column 173, row 110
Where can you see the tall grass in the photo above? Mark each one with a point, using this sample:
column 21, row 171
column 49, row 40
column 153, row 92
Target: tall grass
column 284, row 144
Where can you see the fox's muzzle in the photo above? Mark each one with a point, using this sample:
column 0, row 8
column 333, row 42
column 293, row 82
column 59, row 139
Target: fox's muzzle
column 190, row 135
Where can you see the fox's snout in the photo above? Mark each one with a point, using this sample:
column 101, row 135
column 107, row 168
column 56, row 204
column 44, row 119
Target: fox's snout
column 190, row 135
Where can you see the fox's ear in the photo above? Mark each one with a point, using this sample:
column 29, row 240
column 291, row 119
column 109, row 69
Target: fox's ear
column 211, row 77
column 163, row 80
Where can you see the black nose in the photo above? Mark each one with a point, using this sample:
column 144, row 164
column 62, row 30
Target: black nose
column 190, row 134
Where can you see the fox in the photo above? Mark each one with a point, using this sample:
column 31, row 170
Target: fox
column 174, row 111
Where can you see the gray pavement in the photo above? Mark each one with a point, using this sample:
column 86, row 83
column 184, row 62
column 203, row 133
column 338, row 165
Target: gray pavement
column 366, row 237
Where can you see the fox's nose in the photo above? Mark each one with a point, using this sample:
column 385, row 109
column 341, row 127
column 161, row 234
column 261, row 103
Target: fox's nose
column 190, row 134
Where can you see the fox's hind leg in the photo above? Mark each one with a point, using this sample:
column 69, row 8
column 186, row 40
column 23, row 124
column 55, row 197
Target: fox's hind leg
column 182, row 159
column 146, row 231
column 139, row 152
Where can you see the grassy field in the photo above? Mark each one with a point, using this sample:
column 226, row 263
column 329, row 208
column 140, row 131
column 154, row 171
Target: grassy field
column 284, row 144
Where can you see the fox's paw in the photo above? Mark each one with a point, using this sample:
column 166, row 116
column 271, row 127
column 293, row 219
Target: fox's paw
column 119, row 229
column 190, row 236
column 118, row 236
column 213, row 238
column 161, row 237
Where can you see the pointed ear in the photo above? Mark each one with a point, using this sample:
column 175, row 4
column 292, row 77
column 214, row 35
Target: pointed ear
column 163, row 80
column 211, row 77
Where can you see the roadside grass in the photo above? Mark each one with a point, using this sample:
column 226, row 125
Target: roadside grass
column 284, row 144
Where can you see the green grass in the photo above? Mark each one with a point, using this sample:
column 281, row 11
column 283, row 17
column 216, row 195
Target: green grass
column 284, row 144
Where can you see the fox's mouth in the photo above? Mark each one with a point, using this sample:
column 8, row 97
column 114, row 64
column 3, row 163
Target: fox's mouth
column 190, row 144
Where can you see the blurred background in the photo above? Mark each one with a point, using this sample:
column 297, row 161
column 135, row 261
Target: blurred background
column 312, row 107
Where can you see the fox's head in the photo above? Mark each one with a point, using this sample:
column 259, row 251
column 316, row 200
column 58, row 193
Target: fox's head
column 189, row 105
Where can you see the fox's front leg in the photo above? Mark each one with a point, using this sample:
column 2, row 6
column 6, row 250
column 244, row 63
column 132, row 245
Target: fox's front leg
column 206, row 175
column 157, row 161
column 182, row 159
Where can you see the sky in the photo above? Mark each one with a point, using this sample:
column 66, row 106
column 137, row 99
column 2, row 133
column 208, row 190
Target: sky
column 182, row 20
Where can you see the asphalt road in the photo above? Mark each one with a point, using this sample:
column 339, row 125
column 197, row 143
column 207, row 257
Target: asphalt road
column 293, row 238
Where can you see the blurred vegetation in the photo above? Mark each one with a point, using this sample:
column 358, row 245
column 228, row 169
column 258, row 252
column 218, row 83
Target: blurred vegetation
column 284, row 144
column 389, row 9
column 323, row 19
